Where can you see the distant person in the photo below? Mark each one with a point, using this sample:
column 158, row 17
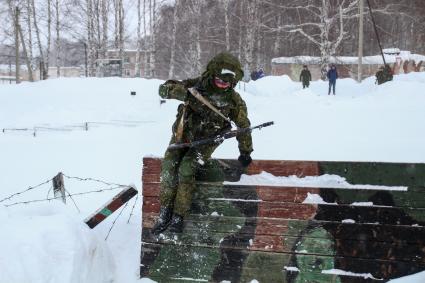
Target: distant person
column 305, row 77
column 384, row 74
column 388, row 73
column 260, row 74
column 255, row 75
column 380, row 76
column 332, row 76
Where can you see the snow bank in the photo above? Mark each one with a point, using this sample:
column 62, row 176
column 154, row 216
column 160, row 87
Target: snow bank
column 415, row 278
column 363, row 122
column 46, row 243
column 322, row 181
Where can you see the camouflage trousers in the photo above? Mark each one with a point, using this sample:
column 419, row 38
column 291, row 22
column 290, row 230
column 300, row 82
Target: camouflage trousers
column 178, row 176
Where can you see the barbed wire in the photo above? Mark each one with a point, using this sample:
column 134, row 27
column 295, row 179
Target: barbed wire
column 115, row 220
column 82, row 179
column 59, row 197
column 132, row 209
column 27, row 190
column 84, row 126
column 70, row 196
column 93, row 180
column 75, row 204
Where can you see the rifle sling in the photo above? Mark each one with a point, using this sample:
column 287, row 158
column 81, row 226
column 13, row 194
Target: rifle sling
column 202, row 99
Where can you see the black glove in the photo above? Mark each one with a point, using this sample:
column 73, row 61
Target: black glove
column 245, row 159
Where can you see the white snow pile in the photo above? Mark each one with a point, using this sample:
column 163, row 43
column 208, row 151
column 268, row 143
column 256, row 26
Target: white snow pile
column 94, row 128
column 44, row 243
column 375, row 59
column 322, row 181
column 315, row 199
column 415, row 278
column 349, row 273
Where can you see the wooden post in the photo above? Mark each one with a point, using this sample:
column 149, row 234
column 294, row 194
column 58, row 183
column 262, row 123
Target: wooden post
column 112, row 205
column 59, row 187
column 18, row 80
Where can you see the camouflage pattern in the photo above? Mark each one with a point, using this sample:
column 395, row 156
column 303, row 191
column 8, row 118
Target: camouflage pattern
column 200, row 122
column 178, row 176
column 384, row 75
column 241, row 232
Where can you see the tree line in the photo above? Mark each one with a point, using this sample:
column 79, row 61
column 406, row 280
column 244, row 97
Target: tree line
column 175, row 39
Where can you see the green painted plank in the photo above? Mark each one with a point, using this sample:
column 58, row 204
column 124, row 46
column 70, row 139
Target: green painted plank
column 375, row 173
column 309, row 244
column 414, row 197
column 187, row 262
column 293, row 228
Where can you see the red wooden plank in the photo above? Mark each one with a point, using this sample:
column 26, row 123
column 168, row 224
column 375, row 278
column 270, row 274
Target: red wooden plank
column 284, row 168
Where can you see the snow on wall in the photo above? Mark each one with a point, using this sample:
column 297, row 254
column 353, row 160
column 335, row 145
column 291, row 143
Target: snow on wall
column 347, row 60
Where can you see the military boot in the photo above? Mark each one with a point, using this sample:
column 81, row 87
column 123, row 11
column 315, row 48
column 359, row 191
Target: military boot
column 176, row 224
column 163, row 220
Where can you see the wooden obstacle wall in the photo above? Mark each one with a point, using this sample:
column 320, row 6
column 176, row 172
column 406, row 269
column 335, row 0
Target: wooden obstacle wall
column 243, row 232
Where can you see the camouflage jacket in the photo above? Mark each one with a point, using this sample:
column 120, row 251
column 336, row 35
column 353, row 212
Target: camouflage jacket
column 305, row 76
column 200, row 121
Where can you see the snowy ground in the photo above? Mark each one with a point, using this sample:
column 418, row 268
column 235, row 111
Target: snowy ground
column 47, row 241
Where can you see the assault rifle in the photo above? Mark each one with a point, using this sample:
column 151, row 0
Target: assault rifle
column 218, row 138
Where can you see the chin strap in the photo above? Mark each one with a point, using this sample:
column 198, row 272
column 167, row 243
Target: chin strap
column 202, row 99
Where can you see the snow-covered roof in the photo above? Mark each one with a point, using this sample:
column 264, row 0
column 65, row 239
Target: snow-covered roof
column 347, row 60
column 5, row 68
column 7, row 77
column 391, row 51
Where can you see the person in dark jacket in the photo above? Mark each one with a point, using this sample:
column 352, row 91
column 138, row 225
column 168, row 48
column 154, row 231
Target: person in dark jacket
column 305, row 77
column 255, row 75
column 380, row 78
column 385, row 74
column 332, row 76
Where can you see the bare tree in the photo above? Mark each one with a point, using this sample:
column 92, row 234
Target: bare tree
column 139, row 39
column 152, row 47
column 49, row 35
column 105, row 19
column 57, row 42
column 90, row 38
column 145, row 54
column 324, row 26
column 195, row 33
column 42, row 63
column 251, row 32
column 29, row 32
column 226, row 23
column 174, row 40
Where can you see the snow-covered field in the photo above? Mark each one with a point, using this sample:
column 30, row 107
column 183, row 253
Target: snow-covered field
column 48, row 242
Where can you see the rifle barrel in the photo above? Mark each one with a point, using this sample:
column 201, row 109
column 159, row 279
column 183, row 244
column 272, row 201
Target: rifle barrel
column 218, row 138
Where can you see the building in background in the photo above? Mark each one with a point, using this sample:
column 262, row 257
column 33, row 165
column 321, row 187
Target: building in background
column 400, row 62
column 115, row 66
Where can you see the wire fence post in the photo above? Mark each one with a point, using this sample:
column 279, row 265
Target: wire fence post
column 59, row 187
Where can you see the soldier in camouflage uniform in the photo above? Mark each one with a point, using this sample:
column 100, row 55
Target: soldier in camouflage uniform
column 384, row 75
column 196, row 121
column 305, row 77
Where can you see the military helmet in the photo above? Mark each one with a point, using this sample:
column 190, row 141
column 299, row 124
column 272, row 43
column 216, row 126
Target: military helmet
column 225, row 66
